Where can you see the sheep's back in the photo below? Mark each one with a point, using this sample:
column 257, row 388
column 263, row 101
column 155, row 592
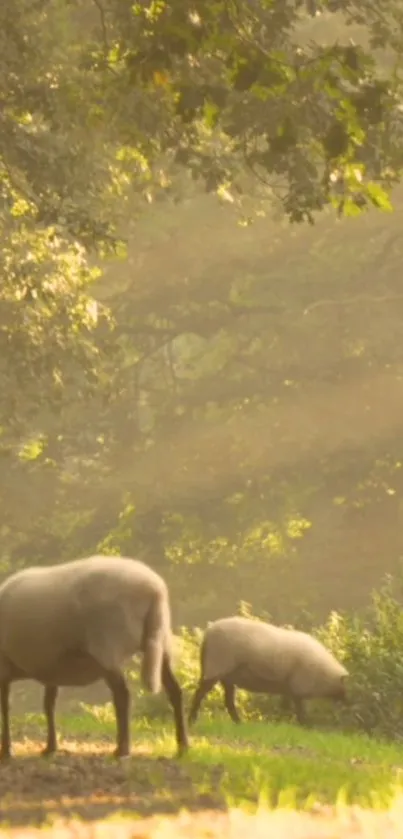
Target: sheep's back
column 273, row 654
column 231, row 643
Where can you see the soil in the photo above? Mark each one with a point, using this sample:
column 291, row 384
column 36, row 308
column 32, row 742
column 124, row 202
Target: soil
column 86, row 781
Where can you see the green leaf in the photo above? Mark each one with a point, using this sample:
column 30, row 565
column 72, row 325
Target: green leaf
column 379, row 197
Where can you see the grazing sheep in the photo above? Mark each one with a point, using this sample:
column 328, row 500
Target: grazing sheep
column 75, row 623
column 262, row 658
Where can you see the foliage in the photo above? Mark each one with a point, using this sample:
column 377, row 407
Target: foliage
column 57, row 189
column 52, row 154
column 49, row 363
column 244, row 98
column 371, row 648
column 115, row 96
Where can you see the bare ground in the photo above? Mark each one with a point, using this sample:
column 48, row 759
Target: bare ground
column 84, row 780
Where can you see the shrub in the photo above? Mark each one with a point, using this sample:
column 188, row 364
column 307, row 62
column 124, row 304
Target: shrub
column 371, row 647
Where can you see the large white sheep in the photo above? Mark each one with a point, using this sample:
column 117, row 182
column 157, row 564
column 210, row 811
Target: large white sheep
column 80, row 621
column 262, row 658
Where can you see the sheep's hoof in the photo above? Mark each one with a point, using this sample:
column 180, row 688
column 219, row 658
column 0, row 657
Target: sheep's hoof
column 182, row 750
column 121, row 752
column 48, row 751
column 5, row 755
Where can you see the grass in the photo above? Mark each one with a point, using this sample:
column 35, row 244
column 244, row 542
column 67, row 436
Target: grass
column 230, row 768
column 227, row 763
column 285, row 763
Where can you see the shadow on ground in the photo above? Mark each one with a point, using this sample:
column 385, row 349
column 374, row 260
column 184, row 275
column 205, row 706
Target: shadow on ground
column 34, row 789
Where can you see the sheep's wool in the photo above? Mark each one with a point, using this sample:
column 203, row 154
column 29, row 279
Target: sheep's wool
column 91, row 612
column 275, row 654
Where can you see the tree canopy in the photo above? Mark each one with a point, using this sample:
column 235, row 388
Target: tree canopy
column 100, row 94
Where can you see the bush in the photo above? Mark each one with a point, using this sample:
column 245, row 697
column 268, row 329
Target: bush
column 371, row 647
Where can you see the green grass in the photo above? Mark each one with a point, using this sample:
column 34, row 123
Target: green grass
column 287, row 763
column 240, row 765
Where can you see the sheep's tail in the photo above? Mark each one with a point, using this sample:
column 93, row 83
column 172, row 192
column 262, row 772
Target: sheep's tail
column 155, row 635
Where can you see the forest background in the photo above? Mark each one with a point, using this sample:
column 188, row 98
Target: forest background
column 185, row 375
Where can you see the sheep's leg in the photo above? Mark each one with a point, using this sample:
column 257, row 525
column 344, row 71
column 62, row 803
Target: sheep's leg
column 5, row 748
column 201, row 692
column 229, row 700
column 175, row 696
column 299, row 706
column 121, row 700
column 285, row 703
column 49, row 702
column 300, row 710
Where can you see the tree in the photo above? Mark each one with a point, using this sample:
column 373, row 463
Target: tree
column 101, row 97
column 238, row 95
column 57, row 189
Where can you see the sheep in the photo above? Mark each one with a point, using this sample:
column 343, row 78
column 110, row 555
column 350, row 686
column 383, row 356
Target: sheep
column 77, row 622
column 262, row 658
